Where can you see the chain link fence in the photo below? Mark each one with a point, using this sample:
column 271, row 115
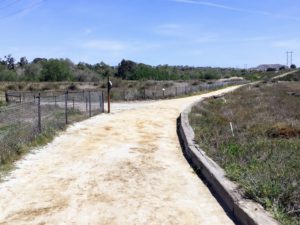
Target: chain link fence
column 159, row 92
column 124, row 94
column 28, row 116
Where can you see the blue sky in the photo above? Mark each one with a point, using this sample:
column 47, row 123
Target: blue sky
column 227, row 33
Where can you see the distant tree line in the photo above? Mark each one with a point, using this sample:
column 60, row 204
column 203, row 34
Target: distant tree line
column 41, row 69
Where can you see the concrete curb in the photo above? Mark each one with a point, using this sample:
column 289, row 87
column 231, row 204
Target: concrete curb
column 244, row 211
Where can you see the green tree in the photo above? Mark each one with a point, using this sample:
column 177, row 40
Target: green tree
column 10, row 62
column 81, row 66
column 103, row 69
column 2, row 62
column 126, row 69
column 271, row 69
column 282, row 68
column 56, row 70
column 33, row 72
column 23, row 62
column 37, row 60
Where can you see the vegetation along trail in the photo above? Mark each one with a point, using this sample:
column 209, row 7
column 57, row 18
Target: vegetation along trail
column 122, row 168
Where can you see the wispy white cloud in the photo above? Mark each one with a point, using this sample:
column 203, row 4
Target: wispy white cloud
column 24, row 9
column 214, row 38
column 116, row 46
column 195, row 52
column 171, row 29
column 199, row 35
column 185, row 32
column 236, row 9
column 254, row 39
column 34, row 4
column 113, row 50
column 249, row 39
column 206, row 38
column 286, row 44
column 105, row 45
column 170, row 26
column 88, row 30
column 188, row 34
column 210, row 4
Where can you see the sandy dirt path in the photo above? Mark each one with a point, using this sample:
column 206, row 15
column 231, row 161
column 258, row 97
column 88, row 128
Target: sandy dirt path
column 123, row 168
column 285, row 74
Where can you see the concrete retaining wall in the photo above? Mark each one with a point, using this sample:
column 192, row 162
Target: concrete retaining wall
column 244, row 211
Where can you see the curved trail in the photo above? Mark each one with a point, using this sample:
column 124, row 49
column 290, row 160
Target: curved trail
column 123, row 168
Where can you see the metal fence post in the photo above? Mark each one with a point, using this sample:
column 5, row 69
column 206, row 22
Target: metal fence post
column 39, row 114
column 103, row 101
column 6, row 97
column 90, row 105
column 86, row 104
column 66, row 106
column 73, row 104
column 100, row 103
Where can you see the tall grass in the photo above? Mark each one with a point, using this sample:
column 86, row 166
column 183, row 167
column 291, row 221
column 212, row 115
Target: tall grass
column 262, row 154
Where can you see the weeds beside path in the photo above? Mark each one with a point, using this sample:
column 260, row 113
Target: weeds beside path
column 262, row 151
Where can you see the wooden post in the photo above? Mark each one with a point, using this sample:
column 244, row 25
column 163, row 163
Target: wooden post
column 108, row 94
